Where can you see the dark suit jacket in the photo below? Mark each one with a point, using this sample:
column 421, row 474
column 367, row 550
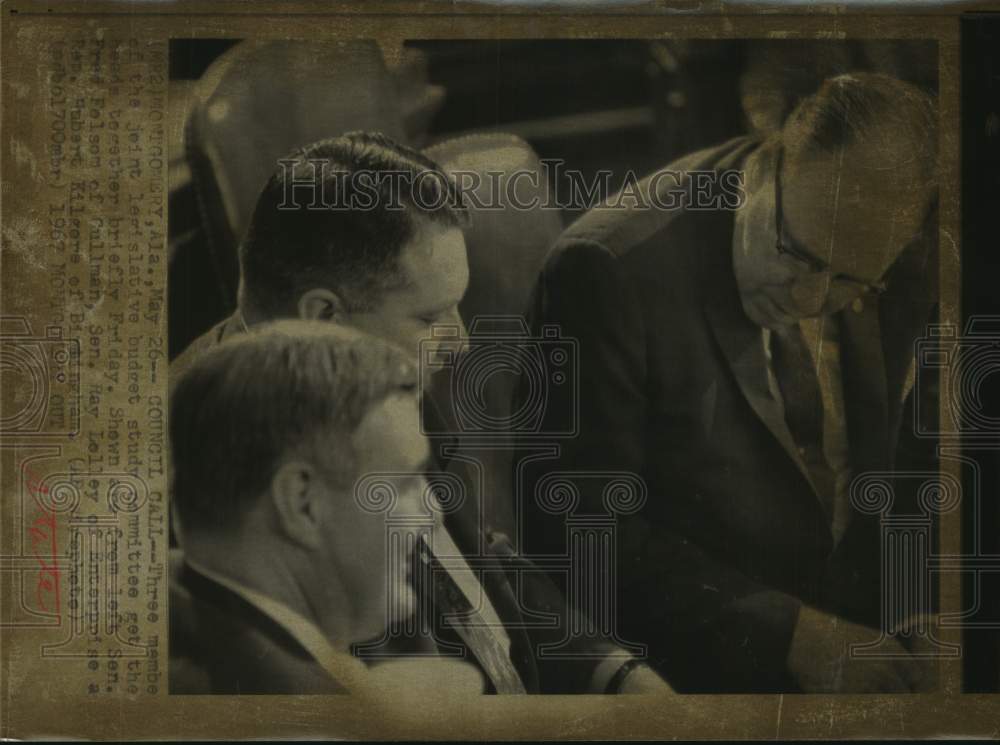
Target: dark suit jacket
column 220, row 643
column 513, row 585
column 673, row 387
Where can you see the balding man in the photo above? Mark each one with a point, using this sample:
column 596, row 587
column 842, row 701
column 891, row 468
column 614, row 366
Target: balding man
column 749, row 363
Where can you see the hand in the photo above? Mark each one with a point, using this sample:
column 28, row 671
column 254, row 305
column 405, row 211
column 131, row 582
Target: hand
column 924, row 648
column 820, row 660
column 643, row 680
column 422, row 680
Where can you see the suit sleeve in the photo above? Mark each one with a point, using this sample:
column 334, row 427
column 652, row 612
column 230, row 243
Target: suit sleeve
column 707, row 625
column 571, row 671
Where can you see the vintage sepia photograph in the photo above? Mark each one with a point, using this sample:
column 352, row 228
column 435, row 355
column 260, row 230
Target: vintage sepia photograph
column 498, row 371
column 657, row 303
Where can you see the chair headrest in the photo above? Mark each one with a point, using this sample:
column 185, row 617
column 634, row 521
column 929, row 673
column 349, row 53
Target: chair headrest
column 506, row 246
column 261, row 100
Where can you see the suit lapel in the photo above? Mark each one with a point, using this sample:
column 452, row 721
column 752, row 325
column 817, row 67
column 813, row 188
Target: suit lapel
column 865, row 391
column 465, row 527
column 497, row 585
column 501, row 593
column 742, row 344
column 466, row 523
column 904, row 311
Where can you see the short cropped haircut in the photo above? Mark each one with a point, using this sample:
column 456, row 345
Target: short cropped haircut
column 336, row 214
column 849, row 108
column 284, row 387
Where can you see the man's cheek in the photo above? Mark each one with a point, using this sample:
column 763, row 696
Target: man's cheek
column 412, row 339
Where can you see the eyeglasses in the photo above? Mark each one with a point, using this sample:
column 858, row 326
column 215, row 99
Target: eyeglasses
column 786, row 245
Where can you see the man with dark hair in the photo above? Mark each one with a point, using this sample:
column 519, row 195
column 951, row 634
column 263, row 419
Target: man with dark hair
column 283, row 570
column 748, row 365
column 336, row 215
column 359, row 230
column 363, row 232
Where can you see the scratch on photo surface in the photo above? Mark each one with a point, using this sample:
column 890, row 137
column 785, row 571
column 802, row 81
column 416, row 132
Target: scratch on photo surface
column 777, row 724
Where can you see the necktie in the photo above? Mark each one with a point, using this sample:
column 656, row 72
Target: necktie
column 795, row 374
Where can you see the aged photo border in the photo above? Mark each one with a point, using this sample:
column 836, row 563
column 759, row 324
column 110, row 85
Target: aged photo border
column 38, row 709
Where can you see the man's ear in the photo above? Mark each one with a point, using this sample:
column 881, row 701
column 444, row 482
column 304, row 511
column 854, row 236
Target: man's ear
column 295, row 488
column 321, row 304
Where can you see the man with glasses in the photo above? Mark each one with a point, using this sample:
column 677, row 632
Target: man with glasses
column 749, row 364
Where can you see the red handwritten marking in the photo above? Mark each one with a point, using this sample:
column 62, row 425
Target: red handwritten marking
column 35, row 486
column 42, row 535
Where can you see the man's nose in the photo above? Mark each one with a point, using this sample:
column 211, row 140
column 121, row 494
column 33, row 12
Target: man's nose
column 809, row 292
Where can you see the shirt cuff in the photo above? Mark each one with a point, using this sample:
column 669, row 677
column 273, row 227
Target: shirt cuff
column 607, row 669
